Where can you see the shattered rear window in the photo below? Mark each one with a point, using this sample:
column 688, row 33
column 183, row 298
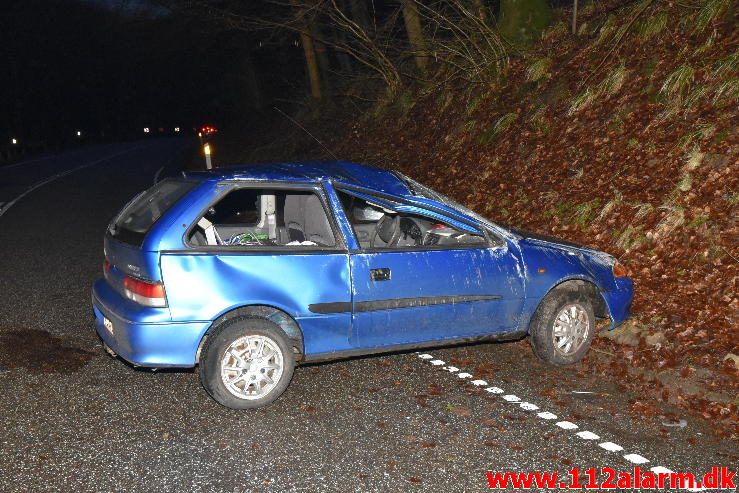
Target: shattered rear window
column 138, row 216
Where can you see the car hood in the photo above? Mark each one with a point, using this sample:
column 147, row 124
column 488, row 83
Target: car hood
column 562, row 245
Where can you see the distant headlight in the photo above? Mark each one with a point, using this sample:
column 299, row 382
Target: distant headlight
column 620, row 270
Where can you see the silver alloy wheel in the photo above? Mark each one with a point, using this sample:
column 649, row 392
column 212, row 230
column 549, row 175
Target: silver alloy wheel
column 571, row 329
column 252, row 366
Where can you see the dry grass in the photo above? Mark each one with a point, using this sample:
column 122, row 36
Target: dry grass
column 694, row 159
column 610, row 205
column 676, row 86
column 581, row 101
column 685, row 183
column 539, row 69
column 642, row 210
column 583, row 214
column 613, row 81
column 702, row 132
column 711, row 11
column 649, row 27
column 609, row 86
column 673, row 219
column 500, row 126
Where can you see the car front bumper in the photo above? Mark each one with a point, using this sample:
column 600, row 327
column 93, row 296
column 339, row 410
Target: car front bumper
column 619, row 300
column 141, row 335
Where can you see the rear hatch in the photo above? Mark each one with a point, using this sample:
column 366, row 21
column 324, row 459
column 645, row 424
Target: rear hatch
column 126, row 255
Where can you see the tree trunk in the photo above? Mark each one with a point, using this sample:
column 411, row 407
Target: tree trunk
column 415, row 33
column 324, row 66
column 311, row 63
column 574, row 17
column 309, row 49
column 522, row 21
column 252, row 82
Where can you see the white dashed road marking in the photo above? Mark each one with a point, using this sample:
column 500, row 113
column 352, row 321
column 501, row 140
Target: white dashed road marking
column 587, row 435
column 566, row 425
column 611, row 447
column 636, row 459
column 494, row 390
column 546, row 415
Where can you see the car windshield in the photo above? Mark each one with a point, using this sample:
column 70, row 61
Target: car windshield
column 138, row 216
column 425, row 192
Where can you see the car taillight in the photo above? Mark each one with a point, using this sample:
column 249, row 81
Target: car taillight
column 144, row 293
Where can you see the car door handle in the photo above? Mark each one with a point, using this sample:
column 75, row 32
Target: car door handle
column 381, row 274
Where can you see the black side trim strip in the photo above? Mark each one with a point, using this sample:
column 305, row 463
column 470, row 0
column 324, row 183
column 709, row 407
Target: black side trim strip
column 369, row 306
column 336, row 307
column 351, row 353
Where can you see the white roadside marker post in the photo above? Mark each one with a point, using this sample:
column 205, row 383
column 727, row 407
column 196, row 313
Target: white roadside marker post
column 208, row 163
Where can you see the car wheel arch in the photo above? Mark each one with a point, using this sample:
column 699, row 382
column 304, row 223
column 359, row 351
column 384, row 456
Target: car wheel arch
column 588, row 288
column 279, row 317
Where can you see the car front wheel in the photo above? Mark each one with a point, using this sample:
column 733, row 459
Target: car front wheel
column 563, row 327
column 246, row 363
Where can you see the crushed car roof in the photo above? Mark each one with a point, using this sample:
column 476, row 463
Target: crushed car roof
column 313, row 171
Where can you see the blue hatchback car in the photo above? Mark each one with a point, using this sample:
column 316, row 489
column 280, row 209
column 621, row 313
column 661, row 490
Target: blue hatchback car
column 247, row 271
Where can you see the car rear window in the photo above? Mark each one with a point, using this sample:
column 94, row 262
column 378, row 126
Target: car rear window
column 137, row 218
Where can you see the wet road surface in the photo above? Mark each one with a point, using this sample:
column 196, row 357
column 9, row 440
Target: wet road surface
column 74, row 419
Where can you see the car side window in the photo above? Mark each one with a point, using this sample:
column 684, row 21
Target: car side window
column 262, row 217
column 377, row 227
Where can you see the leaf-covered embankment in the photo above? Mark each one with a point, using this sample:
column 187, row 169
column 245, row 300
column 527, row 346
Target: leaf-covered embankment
column 623, row 138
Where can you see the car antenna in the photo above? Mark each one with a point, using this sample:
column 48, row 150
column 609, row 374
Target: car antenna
column 306, row 131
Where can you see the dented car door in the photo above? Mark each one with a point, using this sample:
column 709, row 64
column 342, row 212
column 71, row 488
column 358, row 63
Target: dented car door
column 404, row 297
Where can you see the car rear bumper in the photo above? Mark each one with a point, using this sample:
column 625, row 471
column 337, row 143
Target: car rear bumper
column 144, row 336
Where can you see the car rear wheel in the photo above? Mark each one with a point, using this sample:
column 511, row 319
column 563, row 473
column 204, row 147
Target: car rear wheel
column 563, row 327
column 246, row 363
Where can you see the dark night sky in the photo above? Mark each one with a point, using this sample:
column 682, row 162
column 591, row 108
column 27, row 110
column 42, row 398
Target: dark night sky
column 90, row 65
column 112, row 67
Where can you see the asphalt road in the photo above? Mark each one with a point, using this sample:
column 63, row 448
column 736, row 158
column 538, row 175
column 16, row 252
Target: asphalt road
column 74, row 419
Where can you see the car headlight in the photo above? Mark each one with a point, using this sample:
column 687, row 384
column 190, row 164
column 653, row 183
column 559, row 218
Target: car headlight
column 620, row 270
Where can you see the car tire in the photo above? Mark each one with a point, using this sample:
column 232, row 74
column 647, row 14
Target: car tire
column 563, row 326
column 246, row 363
